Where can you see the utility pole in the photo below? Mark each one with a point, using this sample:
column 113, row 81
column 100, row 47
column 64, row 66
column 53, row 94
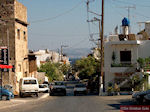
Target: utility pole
column 100, row 44
column 102, row 51
column 62, row 51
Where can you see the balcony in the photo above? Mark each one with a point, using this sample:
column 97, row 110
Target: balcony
column 123, row 67
column 122, row 64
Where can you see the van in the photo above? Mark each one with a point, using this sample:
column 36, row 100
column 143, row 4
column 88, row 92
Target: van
column 28, row 85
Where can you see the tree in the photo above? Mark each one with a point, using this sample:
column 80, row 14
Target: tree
column 52, row 71
column 87, row 67
column 65, row 68
column 144, row 63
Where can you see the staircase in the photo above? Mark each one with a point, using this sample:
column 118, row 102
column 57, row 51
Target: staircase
column 130, row 78
column 130, row 70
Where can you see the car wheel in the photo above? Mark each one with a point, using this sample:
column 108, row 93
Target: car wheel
column 51, row 94
column 36, row 94
column 8, row 97
column 21, row 95
column 140, row 101
column 64, row 93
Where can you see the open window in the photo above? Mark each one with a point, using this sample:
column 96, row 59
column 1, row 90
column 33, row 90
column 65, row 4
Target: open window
column 125, row 57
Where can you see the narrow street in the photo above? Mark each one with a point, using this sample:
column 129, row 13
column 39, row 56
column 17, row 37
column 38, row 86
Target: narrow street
column 72, row 103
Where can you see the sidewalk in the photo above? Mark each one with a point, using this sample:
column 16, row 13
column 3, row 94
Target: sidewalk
column 18, row 101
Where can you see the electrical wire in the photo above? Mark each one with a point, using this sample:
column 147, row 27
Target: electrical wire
column 79, row 43
column 59, row 15
column 142, row 15
column 56, row 35
column 125, row 2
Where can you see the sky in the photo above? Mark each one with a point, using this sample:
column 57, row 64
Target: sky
column 64, row 22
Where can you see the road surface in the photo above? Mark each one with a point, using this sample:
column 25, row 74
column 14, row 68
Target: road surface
column 72, row 104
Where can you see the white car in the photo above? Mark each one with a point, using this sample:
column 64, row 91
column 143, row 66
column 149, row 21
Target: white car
column 28, row 85
column 43, row 88
column 80, row 89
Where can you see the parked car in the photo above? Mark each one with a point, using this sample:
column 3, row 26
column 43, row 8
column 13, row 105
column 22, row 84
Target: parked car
column 147, row 98
column 80, row 89
column 28, row 85
column 4, row 92
column 43, row 88
column 138, row 97
column 58, row 88
column 9, row 87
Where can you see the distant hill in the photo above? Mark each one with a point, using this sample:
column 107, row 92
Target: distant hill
column 77, row 52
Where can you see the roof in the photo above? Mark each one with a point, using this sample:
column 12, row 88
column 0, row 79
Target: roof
column 134, row 42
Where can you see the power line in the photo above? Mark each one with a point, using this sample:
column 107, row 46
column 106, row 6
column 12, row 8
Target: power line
column 59, row 15
column 125, row 2
column 79, row 43
column 142, row 15
column 116, row 11
column 56, row 35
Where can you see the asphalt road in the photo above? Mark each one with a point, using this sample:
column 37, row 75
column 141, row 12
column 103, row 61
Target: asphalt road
column 72, row 104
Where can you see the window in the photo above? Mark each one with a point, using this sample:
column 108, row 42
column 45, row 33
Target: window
column 125, row 56
column 30, row 82
column 24, row 35
column 19, row 68
column 18, row 33
column 59, row 83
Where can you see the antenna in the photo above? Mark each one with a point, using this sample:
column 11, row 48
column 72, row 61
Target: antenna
column 128, row 9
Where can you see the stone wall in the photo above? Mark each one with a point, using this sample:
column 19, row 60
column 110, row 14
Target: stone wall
column 10, row 10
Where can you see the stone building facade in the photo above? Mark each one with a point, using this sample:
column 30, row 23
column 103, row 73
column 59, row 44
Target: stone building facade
column 13, row 34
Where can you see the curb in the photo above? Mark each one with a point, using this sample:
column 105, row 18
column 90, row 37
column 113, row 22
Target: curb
column 22, row 101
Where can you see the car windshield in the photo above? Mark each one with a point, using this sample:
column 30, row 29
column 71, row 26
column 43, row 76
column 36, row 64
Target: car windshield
column 59, row 83
column 30, row 82
column 42, row 86
column 80, row 86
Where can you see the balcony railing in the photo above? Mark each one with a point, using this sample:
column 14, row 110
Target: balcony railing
column 122, row 64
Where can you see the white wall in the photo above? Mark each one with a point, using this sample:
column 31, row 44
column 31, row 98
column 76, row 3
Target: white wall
column 147, row 28
column 137, row 48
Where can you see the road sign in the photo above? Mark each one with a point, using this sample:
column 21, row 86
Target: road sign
column 3, row 47
column 4, row 57
column 6, row 66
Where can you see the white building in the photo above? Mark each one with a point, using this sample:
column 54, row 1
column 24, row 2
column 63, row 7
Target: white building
column 120, row 59
column 45, row 55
